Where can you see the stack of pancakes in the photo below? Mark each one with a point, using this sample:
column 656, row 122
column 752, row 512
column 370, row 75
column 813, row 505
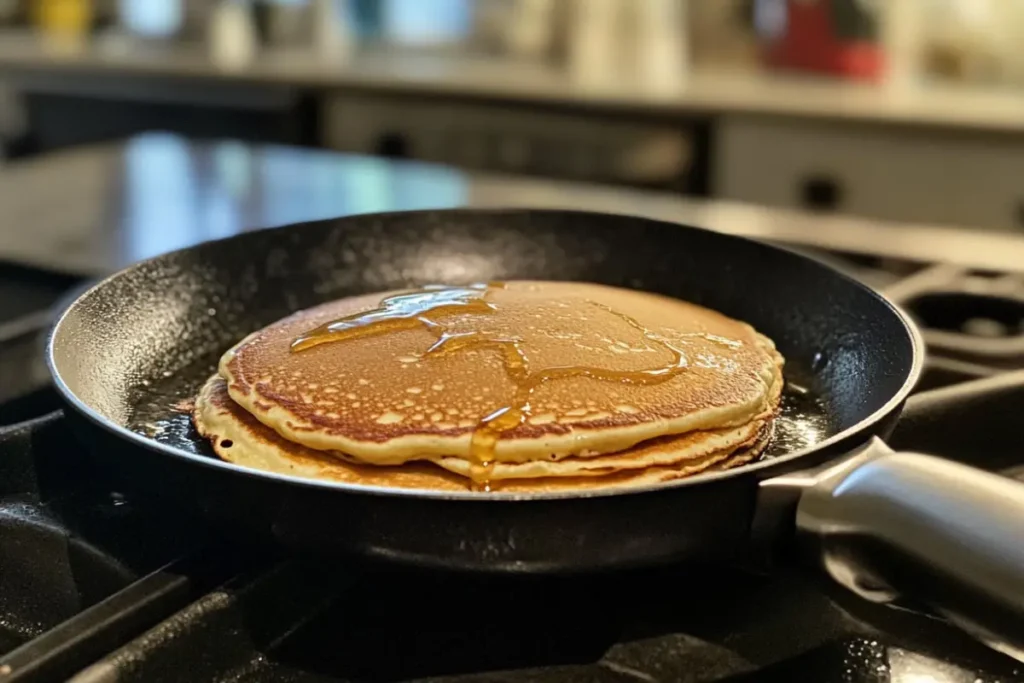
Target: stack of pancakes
column 518, row 386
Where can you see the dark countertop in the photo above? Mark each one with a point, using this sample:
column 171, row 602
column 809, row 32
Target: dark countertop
column 91, row 210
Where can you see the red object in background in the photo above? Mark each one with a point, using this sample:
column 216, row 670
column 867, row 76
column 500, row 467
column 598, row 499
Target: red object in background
column 833, row 36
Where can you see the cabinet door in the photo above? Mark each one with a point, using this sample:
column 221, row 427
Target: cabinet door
column 903, row 174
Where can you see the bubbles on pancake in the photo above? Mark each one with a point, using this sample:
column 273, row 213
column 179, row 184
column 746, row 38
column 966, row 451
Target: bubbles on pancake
column 432, row 308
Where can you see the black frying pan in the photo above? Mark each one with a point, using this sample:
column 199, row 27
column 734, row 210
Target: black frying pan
column 881, row 523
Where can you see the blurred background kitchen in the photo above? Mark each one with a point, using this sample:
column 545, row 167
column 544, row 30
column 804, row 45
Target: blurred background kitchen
column 885, row 137
column 128, row 127
column 907, row 110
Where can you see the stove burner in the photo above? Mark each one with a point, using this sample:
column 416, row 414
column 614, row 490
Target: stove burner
column 97, row 586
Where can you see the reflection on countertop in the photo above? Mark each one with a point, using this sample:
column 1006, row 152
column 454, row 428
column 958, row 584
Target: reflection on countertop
column 91, row 210
column 175, row 194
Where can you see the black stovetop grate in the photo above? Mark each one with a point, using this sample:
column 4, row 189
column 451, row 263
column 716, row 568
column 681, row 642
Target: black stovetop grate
column 106, row 587
column 83, row 590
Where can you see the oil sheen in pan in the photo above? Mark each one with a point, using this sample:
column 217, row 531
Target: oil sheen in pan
column 163, row 412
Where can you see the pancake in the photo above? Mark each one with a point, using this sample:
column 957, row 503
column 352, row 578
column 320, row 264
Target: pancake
column 707, row 446
column 239, row 437
column 519, row 373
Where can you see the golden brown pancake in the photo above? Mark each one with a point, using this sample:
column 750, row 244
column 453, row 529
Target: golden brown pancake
column 704, row 447
column 584, row 369
column 240, row 438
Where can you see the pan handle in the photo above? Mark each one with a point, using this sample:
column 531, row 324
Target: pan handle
column 888, row 524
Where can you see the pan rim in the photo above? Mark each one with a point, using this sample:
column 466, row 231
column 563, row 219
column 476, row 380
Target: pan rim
column 760, row 468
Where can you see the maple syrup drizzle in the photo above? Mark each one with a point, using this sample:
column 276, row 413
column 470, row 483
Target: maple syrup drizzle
column 429, row 306
column 405, row 311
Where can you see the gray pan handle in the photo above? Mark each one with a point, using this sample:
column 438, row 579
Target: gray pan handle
column 888, row 524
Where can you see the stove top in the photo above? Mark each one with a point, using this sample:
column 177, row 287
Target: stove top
column 101, row 586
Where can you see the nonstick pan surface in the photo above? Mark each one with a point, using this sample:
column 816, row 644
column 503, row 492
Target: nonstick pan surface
column 137, row 345
column 128, row 352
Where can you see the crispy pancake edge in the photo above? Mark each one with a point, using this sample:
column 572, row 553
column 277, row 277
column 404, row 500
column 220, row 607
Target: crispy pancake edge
column 253, row 445
column 663, row 451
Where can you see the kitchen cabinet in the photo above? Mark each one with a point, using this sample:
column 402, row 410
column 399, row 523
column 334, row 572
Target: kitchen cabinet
column 887, row 172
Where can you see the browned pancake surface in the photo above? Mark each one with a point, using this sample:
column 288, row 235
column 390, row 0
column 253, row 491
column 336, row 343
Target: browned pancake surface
column 238, row 437
column 385, row 399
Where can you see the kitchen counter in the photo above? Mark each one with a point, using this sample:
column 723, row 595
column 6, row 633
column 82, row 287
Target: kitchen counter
column 92, row 210
column 110, row 62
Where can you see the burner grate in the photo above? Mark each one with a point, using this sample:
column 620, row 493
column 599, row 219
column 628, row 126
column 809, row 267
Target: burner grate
column 68, row 545
column 101, row 587
column 26, row 297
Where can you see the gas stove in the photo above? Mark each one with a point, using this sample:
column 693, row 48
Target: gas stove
column 98, row 585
